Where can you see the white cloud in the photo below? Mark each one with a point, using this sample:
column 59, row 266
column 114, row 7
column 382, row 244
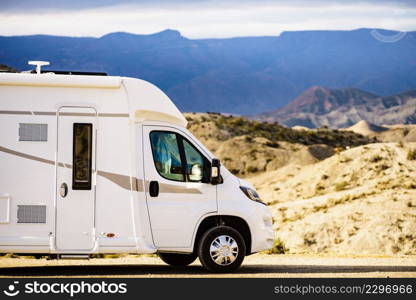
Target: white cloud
column 203, row 21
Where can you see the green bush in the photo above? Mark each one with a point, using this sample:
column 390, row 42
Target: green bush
column 411, row 154
column 238, row 126
column 235, row 171
column 341, row 186
column 248, row 139
column 376, row 158
column 411, row 186
column 277, row 248
column 252, row 169
column 272, row 144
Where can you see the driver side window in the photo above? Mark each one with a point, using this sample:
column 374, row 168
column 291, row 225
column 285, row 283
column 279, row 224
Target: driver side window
column 177, row 159
column 166, row 155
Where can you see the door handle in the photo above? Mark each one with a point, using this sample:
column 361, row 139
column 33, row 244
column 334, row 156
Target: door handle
column 154, row 189
column 63, row 190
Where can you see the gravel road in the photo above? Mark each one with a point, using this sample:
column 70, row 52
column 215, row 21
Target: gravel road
column 258, row 265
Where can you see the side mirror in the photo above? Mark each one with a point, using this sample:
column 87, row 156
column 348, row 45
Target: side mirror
column 215, row 171
column 196, row 173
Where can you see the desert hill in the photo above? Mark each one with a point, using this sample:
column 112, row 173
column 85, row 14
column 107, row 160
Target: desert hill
column 251, row 147
column 366, row 128
column 6, row 68
column 339, row 108
column 362, row 200
column 386, row 133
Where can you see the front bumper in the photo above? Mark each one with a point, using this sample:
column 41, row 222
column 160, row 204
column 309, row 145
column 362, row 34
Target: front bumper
column 261, row 226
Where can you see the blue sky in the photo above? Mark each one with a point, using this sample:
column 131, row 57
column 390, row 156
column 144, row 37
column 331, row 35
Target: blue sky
column 201, row 18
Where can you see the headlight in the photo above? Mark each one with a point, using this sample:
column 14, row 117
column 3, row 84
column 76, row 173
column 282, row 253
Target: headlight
column 251, row 194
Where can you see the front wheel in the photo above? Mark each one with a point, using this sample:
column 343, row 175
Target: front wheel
column 221, row 249
column 178, row 260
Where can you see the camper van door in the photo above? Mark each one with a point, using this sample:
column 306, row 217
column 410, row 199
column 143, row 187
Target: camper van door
column 75, row 195
column 178, row 191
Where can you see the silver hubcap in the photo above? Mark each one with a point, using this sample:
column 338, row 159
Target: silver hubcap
column 223, row 250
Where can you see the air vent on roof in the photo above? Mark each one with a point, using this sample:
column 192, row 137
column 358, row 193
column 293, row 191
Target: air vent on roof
column 73, row 73
column 39, row 70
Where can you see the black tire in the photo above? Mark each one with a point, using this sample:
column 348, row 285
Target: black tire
column 177, row 259
column 225, row 264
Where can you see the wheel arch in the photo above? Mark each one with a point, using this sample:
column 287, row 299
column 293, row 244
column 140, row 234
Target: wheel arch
column 234, row 222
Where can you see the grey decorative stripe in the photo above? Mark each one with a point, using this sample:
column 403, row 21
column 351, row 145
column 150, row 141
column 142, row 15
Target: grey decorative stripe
column 44, row 113
column 13, row 112
column 121, row 180
column 62, row 165
column 175, row 189
column 74, row 114
column 67, row 114
column 27, row 156
column 113, row 115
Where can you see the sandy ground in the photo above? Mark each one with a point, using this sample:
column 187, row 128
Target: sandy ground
column 254, row 266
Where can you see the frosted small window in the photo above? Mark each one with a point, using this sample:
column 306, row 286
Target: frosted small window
column 33, row 132
column 31, row 214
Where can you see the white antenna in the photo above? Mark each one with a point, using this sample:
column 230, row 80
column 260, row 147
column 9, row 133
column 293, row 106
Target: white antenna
column 38, row 64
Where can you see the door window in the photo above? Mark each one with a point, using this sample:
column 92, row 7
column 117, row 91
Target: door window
column 166, row 155
column 82, row 156
column 177, row 159
column 197, row 166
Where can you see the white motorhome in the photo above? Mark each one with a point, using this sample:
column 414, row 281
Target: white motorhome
column 103, row 164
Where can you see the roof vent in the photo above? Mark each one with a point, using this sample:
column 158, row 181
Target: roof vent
column 38, row 64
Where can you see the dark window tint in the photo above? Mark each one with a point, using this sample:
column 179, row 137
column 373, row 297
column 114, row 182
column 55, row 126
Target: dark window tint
column 82, row 156
column 166, row 155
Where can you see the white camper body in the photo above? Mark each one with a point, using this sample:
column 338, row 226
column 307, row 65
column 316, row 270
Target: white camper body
column 85, row 169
